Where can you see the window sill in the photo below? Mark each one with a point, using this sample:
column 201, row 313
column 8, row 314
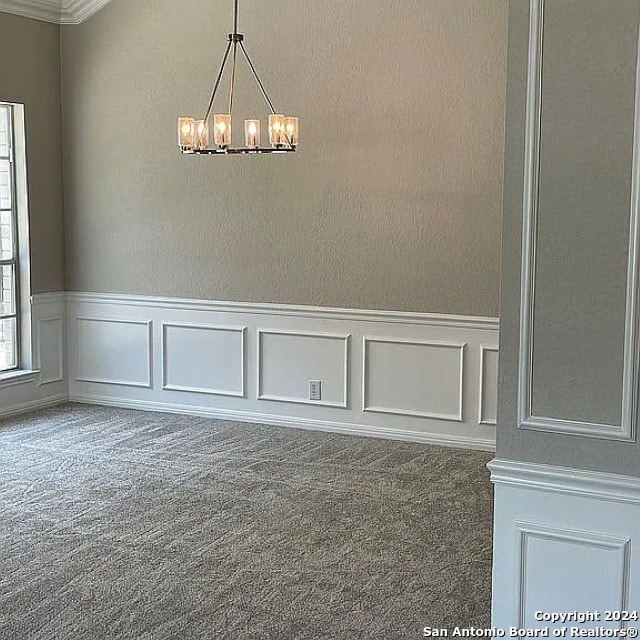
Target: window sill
column 21, row 376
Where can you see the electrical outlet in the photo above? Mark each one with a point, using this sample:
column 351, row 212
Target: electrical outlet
column 315, row 390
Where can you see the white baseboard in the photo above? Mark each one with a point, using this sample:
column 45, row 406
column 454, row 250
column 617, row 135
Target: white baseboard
column 33, row 405
column 563, row 541
column 288, row 421
column 409, row 376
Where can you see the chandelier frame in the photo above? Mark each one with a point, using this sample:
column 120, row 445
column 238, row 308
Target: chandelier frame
column 286, row 137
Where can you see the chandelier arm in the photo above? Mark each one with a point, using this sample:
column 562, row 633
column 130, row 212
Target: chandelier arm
column 257, row 78
column 218, row 80
column 233, row 76
column 264, row 91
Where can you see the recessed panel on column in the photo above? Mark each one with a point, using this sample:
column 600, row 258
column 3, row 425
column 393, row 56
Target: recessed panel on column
column 565, row 571
column 580, row 243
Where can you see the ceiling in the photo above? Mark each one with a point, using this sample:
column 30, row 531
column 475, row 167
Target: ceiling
column 56, row 11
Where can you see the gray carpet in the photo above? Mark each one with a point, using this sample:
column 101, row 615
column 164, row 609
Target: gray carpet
column 138, row 526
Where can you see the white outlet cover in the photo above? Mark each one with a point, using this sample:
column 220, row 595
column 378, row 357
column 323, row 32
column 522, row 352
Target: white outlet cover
column 315, row 390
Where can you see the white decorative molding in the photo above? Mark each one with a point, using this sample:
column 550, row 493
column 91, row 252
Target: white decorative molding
column 565, row 540
column 33, row 405
column 83, row 359
column 130, row 382
column 484, row 386
column 55, row 11
column 566, row 481
column 414, row 375
column 48, row 318
column 196, row 367
column 626, row 430
column 321, row 364
column 45, row 10
column 43, row 300
column 16, row 378
column 50, row 352
column 46, row 384
column 286, row 347
column 589, row 544
column 77, row 11
column 289, row 310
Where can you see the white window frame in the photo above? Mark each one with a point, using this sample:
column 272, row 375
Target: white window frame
column 21, row 259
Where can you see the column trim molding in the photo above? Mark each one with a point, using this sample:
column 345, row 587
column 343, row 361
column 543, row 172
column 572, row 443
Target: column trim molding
column 609, row 487
column 626, row 430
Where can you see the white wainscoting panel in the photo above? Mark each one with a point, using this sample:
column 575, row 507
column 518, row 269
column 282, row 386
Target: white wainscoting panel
column 51, row 353
column 488, row 385
column 114, row 352
column 413, row 378
column 557, row 563
column 203, row 359
column 46, row 384
column 254, row 362
column 288, row 361
column 564, row 538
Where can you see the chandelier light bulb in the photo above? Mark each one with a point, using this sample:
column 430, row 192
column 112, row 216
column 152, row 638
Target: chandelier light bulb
column 201, row 134
column 252, row 133
column 222, row 130
column 292, row 129
column 276, row 129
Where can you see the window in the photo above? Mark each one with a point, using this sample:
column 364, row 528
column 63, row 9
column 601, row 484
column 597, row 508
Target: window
column 14, row 265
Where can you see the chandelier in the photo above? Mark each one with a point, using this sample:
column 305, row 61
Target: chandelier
column 195, row 136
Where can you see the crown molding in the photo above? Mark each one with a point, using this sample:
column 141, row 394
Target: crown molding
column 55, row 11
column 77, row 11
column 45, row 10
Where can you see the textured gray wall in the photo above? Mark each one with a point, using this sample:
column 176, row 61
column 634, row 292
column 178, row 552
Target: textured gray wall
column 584, row 225
column 394, row 201
column 30, row 74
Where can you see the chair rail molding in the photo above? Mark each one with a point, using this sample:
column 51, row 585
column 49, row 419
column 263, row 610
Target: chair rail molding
column 594, row 485
column 55, row 11
column 626, row 430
